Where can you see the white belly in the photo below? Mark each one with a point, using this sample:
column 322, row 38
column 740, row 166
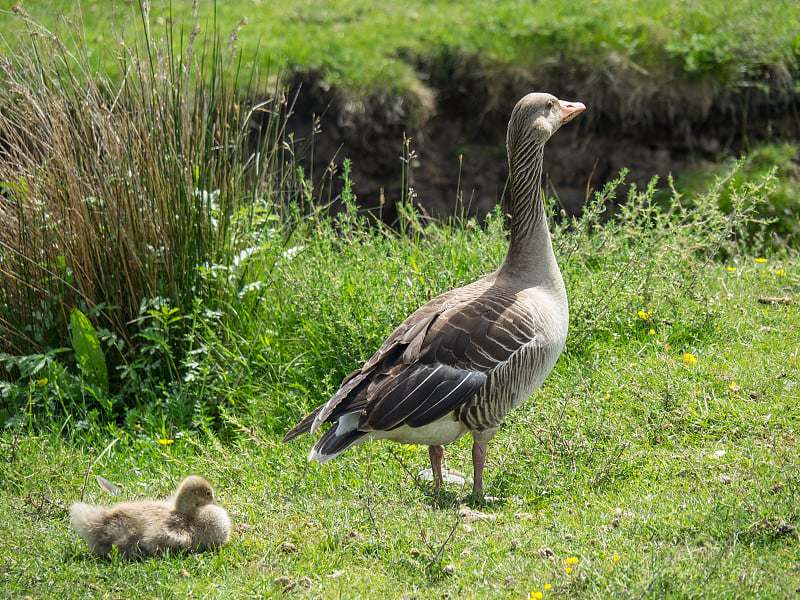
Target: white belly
column 443, row 431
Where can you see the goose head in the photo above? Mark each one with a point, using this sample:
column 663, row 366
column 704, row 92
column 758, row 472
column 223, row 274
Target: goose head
column 535, row 118
column 193, row 493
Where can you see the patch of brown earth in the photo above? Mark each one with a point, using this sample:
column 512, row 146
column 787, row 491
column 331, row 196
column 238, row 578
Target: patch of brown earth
column 456, row 123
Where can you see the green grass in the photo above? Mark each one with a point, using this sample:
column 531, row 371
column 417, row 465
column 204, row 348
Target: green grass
column 687, row 472
column 684, row 468
column 378, row 46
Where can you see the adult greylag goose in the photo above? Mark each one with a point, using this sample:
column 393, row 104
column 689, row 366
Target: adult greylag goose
column 191, row 520
column 462, row 361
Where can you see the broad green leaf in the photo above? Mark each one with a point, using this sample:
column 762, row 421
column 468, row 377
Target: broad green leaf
column 88, row 353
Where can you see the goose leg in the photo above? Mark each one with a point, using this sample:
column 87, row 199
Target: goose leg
column 478, row 462
column 436, row 453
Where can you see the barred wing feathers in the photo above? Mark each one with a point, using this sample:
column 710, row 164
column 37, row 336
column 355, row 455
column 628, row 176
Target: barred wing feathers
column 433, row 363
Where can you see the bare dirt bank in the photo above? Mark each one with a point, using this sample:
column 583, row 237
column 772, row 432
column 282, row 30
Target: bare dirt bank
column 457, row 124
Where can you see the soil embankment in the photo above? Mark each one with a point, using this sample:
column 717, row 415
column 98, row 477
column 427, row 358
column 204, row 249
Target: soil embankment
column 456, row 123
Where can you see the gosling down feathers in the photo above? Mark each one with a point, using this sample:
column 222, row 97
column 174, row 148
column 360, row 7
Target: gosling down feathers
column 191, row 520
column 462, row 361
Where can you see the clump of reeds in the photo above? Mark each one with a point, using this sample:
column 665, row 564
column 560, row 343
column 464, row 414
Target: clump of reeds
column 117, row 185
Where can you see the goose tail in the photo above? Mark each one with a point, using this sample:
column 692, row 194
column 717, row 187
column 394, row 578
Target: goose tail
column 337, row 439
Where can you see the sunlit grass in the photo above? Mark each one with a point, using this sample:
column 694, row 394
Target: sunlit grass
column 635, row 471
column 629, row 474
column 373, row 45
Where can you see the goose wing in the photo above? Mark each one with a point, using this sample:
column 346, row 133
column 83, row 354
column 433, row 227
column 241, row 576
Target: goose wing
column 434, row 362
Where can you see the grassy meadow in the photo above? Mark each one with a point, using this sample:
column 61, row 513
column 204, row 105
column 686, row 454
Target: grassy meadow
column 365, row 45
column 174, row 295
column 659, row 460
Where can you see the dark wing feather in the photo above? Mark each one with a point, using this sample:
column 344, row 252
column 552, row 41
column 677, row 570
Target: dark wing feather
column 435, row 361
column 342, row 402
column 420, row 394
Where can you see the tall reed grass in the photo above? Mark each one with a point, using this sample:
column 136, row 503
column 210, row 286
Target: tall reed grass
column 116, row 186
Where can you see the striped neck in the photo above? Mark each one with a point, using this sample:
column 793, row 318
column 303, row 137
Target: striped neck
column 530, row 251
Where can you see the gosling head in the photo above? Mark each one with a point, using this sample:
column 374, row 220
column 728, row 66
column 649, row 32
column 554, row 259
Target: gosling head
column 536, row 117
column 193, row 493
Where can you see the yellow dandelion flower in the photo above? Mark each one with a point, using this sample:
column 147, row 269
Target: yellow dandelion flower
column 535, row 595
column 761, row 260
column 780, row 272
column 615, row 558
column 689, row 358
column 642, row 315
column 570, row 562
column 547, row 587
column 651, row 332
column 731, row 269
column 165, row 441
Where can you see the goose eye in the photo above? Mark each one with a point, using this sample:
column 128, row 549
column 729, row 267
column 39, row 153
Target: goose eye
column 549, row 105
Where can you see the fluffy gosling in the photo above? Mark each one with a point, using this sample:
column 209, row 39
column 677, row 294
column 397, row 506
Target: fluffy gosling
column 190, row 520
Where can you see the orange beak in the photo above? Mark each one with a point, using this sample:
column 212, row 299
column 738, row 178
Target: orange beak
column 570, row 110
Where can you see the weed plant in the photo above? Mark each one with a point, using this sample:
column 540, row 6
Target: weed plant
column 782, row 212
